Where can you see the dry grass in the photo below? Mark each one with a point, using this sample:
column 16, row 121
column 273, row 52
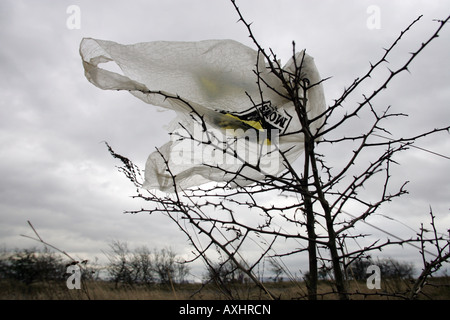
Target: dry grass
column 439, row 289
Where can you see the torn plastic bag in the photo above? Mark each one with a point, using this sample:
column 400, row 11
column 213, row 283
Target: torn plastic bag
column 228, row 127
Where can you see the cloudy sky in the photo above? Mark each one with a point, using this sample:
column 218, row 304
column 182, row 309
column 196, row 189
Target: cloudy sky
column 56, row 172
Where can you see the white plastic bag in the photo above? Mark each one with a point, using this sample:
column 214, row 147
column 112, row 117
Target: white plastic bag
column 224, row 131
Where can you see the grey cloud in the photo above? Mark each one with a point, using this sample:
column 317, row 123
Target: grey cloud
column 55, row 170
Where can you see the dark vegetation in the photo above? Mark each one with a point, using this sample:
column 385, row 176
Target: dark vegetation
column 160, row 274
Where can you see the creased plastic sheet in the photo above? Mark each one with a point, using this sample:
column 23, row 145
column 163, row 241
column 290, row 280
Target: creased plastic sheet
column 228, row 127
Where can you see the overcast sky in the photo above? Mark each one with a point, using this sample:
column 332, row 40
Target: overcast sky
column 56, row 172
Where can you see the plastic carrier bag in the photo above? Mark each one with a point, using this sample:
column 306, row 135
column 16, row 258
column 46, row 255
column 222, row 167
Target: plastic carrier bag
column 229, row 128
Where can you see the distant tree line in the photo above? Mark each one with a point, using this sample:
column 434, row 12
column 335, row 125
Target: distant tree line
column 125, row 266
column 389, row 269
column 36, row 265
column 158, row 266
column 31, row 265
column 144, row 266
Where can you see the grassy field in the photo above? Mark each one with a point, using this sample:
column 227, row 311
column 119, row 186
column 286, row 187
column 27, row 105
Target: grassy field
column 438, row 289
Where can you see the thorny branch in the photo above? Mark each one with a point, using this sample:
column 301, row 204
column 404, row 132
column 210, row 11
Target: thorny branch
column 81, row 264
column 316, row 196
